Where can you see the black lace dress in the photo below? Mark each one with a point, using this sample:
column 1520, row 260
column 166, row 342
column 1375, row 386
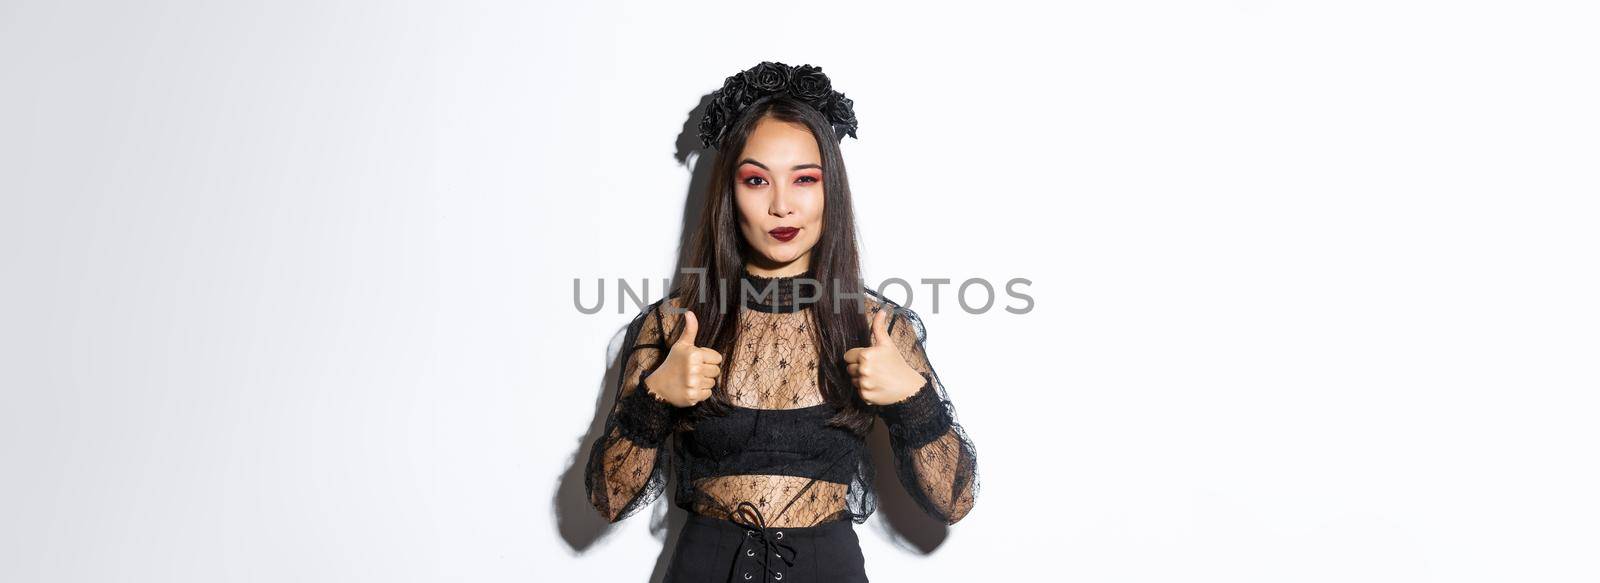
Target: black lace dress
column 773, row 462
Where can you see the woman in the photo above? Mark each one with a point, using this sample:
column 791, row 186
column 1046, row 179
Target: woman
column 771, row 367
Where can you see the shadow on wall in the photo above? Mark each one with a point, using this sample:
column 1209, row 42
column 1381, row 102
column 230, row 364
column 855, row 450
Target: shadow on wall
column 899, row 517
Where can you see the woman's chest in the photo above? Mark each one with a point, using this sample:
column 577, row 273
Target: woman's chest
column 774, row 363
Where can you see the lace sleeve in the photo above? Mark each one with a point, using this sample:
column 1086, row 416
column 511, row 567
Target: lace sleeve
column 934, row 458
column 626, row 469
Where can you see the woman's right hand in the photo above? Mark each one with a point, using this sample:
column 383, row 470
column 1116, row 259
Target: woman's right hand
column 689, row 372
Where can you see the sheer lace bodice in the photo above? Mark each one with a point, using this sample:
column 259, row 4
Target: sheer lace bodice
column 774, row 449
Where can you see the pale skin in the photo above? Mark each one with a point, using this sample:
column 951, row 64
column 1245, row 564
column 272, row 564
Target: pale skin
column 779, row 184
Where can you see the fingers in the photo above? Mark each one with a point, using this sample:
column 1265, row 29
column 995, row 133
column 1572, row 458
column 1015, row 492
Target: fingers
column 868, row 365
column 863, row 354
column 698, row 369
column 692, row 396
column 709, row 356
column 691, row 327
column 707, row 370
column 705, row 362
column 880, row 328
column 700, row 383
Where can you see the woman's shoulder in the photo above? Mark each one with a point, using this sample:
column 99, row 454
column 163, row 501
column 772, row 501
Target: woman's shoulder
column 671, row 305
column 658, row 319
column 902, row 319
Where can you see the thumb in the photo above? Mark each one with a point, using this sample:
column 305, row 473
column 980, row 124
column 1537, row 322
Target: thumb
column 690, row 328
column 880, row 328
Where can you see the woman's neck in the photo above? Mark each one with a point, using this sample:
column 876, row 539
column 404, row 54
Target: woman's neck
column 778, row 293
column 799, row 266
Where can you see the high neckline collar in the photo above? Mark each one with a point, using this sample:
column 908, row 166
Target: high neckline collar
column 779, row 294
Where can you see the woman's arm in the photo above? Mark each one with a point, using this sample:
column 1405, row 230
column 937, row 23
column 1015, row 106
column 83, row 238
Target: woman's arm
column 625, row 470
column 934, row 458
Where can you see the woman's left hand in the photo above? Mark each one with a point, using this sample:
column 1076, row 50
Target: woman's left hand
column 879, row 372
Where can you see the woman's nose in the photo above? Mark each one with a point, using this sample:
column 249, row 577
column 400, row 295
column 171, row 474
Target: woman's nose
column 780, row 202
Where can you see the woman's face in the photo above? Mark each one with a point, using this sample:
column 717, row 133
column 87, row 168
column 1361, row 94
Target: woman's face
column 778, row 187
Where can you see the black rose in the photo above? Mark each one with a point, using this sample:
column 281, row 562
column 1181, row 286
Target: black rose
column 767, row 77
column 735, row 92
column 809, row 84
column 821, row 104
column 712, row 123
column 843, row 115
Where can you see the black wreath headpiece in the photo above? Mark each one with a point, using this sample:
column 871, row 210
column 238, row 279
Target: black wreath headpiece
column 804, row 83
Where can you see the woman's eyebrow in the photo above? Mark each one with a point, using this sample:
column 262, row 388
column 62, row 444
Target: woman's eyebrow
column 764, row 166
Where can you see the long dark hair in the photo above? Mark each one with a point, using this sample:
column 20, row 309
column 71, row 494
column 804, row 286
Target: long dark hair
column 720, row 249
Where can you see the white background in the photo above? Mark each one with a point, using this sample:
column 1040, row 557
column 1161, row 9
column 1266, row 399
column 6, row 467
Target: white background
column 288, row 285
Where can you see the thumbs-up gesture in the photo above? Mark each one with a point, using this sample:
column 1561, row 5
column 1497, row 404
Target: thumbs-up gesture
column 689, row 372
column 879, row 372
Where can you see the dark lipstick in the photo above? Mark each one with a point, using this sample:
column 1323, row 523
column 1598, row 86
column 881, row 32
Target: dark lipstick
column 784, row 233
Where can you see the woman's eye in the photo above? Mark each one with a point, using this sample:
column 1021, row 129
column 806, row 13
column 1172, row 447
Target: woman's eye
column 747, row 181
column 807, row 179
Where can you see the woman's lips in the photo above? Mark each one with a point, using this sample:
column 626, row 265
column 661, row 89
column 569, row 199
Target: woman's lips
column 784, row 233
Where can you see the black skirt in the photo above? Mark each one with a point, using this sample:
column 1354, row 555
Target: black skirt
column 718, row 550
